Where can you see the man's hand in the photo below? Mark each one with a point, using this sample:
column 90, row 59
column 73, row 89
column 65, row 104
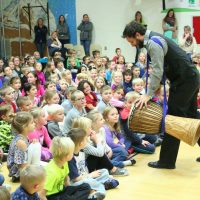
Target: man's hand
column 142, row 101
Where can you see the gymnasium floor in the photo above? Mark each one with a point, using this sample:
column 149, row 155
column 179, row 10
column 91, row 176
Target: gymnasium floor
column 183, row 183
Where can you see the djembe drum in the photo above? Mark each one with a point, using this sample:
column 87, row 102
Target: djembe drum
column 148, row 120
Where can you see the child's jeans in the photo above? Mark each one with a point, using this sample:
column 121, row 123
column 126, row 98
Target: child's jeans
column 1, row 180
column 119, row 155
column 96, row 183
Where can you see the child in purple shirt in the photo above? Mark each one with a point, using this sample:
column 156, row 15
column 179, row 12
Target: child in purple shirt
column 114, row 138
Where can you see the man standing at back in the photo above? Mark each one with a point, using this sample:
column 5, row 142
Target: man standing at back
column 168, row 59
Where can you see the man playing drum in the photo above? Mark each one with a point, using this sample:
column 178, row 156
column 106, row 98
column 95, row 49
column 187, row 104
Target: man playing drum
column 168, row 59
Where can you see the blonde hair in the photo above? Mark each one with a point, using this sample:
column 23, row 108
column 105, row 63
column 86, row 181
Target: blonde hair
column 99, row 78
column 4, row 193
column 137, row 81
column 93, row 116
column 65, row 73
column 54, row 108
column 105, row 116
column 31, row 175
column 21, row 120
column 82, row 76
column 132, row 96
column 114, row 73
column 61, row 147
column 82, row 122
column 4, row 90
column 36, row 112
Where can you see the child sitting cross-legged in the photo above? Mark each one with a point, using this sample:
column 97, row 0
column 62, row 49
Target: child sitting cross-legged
column 140, row 142
column 115, row 139
column 97, row 151
column 57, row 185
column 99, row 179
column 32, row 179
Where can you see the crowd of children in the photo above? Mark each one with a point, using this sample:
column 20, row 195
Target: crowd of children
column 71, row 118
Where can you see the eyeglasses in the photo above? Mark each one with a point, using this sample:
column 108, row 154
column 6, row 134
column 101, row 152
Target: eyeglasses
column 80, row 99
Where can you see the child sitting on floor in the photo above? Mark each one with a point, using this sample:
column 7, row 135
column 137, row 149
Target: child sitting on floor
column 32, row 179
column 57, row 184
column 20, row 152
column 115, row 139
column 99, row 179
column 140, row 142
column 40, row 133
column 55, row 115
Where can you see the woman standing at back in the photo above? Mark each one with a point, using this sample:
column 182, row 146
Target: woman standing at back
column 40, row 36
column 169, row 25
column 63, row 31
column 188, row 42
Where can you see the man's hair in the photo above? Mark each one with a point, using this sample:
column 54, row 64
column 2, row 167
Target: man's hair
column 31, row 175
column 132, row 28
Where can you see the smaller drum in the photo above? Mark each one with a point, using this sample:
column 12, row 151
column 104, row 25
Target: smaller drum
column 146, row 120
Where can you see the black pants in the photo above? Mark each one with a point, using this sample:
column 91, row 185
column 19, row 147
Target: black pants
column 41, row 48
column 80, row 192
column 182, row 102
column 95, row 163
column 64, row 41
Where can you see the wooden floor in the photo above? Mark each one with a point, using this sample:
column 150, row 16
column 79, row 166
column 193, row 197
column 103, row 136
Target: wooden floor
column 183, row 183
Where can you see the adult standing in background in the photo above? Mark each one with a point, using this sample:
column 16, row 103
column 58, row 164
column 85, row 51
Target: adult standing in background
column 63, row 31
column 188, row 43
column 139, row 19
column 40, row 36
column 86, row 33
column 169, row 25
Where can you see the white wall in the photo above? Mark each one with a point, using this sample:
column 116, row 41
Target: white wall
column 109, row 18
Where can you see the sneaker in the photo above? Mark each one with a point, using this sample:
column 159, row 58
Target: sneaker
column 98, row 196
column 158, row 142
column 111, row 183
column 15, row 179
column 120, row 172
column 133, row 161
